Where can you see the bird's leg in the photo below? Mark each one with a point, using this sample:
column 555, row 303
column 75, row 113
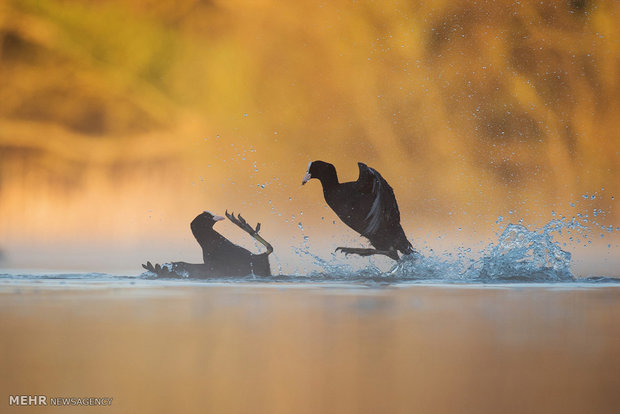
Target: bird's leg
column 392, row 254
column 240, row 221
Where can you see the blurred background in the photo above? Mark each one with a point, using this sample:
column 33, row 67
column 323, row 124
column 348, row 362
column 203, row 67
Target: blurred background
column 122, row 120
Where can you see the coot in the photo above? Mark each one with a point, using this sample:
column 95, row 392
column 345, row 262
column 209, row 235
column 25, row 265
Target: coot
column 221, row 257
column 367, row 205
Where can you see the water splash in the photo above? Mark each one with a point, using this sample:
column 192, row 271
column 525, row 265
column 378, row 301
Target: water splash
column 524, row 255
column 417, row 266
column 336, row 269
column 520, row 255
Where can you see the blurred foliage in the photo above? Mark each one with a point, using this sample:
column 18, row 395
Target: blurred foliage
column 464, row 106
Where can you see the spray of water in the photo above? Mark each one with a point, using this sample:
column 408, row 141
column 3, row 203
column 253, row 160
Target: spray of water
column 524, row 255
column 520, row 255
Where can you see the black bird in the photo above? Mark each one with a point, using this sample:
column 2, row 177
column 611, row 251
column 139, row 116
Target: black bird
column 367, row 205
column 221, row 257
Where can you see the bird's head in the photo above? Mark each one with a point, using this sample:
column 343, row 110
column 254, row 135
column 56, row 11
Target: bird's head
column 320, row 170
column 204, row 222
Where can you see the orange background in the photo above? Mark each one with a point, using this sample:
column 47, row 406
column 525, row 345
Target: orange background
column 122, row 120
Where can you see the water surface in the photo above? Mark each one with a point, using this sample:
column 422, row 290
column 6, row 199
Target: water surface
column 312, row 345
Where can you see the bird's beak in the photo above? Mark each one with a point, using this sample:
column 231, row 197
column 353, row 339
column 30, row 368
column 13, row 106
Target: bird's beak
column 307, row 177
column 218, row 218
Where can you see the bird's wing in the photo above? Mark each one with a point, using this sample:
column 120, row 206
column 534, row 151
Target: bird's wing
column 384, row 206
column 225, row 245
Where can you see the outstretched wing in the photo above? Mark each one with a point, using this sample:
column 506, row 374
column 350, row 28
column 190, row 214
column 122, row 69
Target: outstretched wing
column 384, row 208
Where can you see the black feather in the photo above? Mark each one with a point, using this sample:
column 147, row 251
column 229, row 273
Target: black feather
column 367, row 205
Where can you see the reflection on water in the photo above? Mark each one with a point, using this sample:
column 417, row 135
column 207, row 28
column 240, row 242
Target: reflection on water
column 165, row 346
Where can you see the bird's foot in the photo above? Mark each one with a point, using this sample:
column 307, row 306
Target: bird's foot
column 160, row 271
column 353, row 250
column 240, row 221
column 365, row 252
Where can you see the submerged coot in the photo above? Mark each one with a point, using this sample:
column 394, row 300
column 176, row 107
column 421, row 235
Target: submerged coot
column 221, row 257
column 367, row 205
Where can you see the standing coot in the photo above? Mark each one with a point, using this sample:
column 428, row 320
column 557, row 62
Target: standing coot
column 367, row 205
